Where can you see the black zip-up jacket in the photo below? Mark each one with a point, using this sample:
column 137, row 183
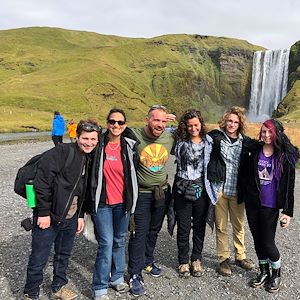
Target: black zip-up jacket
column 250, row 187
column 216, row 170
column 56, row 185
column 129, row 161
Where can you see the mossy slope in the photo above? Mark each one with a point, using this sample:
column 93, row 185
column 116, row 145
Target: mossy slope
column 84, row 74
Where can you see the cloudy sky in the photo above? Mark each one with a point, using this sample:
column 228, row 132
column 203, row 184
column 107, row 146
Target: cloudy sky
column 273, row 24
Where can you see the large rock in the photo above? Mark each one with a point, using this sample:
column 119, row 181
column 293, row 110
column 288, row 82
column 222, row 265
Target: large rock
column 289, row 108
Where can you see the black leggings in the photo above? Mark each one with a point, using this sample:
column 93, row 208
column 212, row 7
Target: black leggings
column 263, row 222
column 188, row 215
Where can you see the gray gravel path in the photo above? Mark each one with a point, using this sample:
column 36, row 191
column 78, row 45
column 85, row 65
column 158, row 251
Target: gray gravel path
column 15, row 248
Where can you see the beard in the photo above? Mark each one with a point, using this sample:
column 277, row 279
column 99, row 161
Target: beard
column 155, row 131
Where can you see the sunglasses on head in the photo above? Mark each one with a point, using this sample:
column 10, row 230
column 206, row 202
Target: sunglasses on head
column 113, row 122
column 157, row 106
column 89, row 127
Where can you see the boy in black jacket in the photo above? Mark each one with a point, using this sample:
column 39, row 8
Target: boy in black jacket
column 57, row 216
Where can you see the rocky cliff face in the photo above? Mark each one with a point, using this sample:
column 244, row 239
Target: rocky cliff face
column 210, row 78
column 289, row 108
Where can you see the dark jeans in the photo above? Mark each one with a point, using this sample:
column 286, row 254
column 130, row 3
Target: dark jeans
column 149, row 216
column 188, row 213
column 62, row 235
column 57, row 139
column 262, row 223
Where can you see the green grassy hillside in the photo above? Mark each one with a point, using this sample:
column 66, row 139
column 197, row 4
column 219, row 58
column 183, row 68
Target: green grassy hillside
column 289, row 108
column 84, row 74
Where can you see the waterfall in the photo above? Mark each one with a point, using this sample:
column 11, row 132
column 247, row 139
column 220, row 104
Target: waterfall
column 269, row 82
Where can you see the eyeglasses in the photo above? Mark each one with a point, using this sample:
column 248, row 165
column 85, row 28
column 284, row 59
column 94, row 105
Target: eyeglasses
column 113, row 122
column 236, row 123
column 89, row 127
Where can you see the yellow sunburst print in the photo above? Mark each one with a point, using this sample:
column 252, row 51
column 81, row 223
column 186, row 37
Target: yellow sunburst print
column 154, row 156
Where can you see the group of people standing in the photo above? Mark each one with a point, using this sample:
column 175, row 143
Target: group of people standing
column 59, row 127
column 120, row 179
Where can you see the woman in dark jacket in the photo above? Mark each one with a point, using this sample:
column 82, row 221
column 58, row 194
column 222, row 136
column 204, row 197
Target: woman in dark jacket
column 114, row 190
column 193, row 193
column 268, row 180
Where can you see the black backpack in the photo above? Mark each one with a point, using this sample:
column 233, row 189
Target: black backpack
column 28, row 172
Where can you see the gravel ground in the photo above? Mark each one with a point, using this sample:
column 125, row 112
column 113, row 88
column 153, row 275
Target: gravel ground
column 15, row 249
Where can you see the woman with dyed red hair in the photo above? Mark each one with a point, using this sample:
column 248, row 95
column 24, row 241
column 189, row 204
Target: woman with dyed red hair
column 267, row 182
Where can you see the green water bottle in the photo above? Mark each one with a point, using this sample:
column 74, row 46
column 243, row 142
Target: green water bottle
column 30, row 194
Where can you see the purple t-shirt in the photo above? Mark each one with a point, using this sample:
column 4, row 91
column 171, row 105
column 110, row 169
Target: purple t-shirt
column 267, row 180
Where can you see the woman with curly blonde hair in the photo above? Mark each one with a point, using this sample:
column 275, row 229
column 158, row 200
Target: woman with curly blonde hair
column 240, row 112
column 229, row 151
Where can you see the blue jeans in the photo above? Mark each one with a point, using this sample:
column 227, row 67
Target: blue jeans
column 148, row 219
column 111, row 226
column 62, row 235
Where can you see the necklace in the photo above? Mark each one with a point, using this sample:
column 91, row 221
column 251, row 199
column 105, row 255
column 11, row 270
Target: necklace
column 111, row 148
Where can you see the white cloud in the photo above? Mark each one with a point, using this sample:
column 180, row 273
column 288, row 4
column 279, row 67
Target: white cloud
column 269, row 23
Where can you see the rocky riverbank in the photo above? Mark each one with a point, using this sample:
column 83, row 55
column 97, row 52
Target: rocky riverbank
column 15, row 249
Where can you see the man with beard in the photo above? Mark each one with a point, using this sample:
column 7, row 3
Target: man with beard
column 154, row 150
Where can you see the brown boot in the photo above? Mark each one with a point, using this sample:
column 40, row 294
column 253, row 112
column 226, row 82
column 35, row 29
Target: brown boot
column 64, row 294
column 246, row 264
column 224, row 268
column 196, row 268
column 184, row 270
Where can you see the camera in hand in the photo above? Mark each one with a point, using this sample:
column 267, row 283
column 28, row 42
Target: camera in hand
column 27, row 224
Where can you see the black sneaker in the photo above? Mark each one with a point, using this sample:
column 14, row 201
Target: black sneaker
column 153, row 270
column 136, row 284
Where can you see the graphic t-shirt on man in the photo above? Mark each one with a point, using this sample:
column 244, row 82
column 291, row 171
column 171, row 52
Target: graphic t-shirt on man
column 267, row 180
column 113, row 172
column 153, row 153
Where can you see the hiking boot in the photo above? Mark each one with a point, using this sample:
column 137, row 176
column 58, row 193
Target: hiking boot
column 121, row 287
column 262, row 278
column 224, row 268
column 136, row 284
column 64, row 294
column 274, row 283
column 184, row 270
column 27, row 297
column 196, row 268
column 246, row 264
column 153, row 270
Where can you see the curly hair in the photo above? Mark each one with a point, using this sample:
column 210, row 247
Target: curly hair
column 240, row 112
column 284, row 150
column 181, row 132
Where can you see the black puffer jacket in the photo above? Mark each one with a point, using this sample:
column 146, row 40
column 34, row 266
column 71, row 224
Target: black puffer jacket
column 129, row 156
column 56, row 185
column 250, row 187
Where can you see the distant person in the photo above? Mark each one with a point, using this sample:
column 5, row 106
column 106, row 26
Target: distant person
column 72, row 126
column 154, row 151
column 229, row 150
column 58, row 128
column 113, row 196
column 268, row 185
column 58, row 215
column 193, row 194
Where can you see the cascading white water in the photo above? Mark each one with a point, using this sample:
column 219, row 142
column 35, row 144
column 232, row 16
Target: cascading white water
column 269, row 82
